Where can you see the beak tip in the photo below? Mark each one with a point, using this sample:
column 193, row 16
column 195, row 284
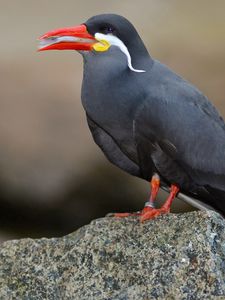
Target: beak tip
column 68, row 38
column 42, row 37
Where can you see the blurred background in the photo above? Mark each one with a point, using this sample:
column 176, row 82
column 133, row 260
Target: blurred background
column 53, row 178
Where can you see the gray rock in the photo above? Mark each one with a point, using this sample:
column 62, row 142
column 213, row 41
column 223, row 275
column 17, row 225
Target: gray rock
column 176, row 256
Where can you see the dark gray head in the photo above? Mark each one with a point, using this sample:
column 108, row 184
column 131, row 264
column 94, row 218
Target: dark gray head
column 115, row 25
column 119, row 32
column 99, row 34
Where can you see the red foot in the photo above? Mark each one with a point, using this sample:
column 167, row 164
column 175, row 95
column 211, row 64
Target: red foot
column 124, row 215
column 150, row 213
column 146, row 214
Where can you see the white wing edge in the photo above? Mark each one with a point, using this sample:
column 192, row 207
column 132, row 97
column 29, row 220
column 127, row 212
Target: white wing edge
column 193, row 202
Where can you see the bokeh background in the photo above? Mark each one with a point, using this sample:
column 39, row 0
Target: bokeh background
column 53, row 178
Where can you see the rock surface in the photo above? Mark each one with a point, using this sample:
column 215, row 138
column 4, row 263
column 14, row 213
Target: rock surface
column 178, row 256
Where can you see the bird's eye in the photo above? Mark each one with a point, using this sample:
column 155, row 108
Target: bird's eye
column 107, row 30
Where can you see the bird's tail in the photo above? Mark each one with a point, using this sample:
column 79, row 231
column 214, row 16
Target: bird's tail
column 205, row 198
column 217, row 199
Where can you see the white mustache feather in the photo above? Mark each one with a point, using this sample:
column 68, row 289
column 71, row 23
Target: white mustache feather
column 115, row 41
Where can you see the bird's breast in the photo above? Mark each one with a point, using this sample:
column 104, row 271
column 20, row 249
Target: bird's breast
column 112, row 104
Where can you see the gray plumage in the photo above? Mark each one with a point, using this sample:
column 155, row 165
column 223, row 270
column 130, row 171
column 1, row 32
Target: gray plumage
column 153, row 121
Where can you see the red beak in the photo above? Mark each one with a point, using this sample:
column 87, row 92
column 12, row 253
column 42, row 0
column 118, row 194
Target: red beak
column 69, row 38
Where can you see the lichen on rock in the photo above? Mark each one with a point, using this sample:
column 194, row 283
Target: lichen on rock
column 175, row 256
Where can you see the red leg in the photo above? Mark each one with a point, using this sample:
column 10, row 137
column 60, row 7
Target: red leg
column 154, row 212
column 155, row 184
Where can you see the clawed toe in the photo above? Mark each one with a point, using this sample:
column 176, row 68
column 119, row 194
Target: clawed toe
column 124, row 215
column 146, row 214
column 152, row 213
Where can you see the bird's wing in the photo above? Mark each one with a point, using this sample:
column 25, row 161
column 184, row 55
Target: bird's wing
column 187, row 127
column 111, row 149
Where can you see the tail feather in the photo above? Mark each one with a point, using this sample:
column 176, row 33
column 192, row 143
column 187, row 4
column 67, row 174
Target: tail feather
column 217, row 198
column 204, row 199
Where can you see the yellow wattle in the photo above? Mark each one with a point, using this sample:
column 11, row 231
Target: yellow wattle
column 102, row 46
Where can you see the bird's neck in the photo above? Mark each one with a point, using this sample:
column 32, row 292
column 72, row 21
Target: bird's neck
column 139, row 52
column 110, row 90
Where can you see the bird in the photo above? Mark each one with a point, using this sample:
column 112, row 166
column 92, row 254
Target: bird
column 147, row 120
